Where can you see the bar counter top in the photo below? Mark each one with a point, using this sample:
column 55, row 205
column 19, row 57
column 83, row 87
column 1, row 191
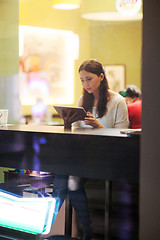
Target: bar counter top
column 114, row 132
column 93, row 153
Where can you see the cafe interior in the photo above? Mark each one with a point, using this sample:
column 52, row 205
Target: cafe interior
column 42, row 45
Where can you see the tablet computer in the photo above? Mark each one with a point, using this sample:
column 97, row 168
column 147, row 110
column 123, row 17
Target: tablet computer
column 63, row 110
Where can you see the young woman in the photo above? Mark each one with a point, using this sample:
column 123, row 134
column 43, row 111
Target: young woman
column 105, row 109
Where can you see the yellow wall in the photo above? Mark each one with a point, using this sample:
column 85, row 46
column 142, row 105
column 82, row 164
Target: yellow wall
column 110, row 43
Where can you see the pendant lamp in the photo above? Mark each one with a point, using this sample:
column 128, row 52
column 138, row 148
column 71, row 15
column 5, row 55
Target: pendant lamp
column 66, row 4
column 110, row 10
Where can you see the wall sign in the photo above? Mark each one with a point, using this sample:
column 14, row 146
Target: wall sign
column 128, row 7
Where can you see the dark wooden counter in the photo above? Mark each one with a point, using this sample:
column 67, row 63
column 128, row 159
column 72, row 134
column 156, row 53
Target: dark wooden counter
column 93, row 153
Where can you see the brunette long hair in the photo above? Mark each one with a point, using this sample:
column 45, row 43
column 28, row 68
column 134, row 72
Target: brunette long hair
column 93, row 66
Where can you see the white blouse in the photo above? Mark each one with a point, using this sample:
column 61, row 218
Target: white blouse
column 115, row 117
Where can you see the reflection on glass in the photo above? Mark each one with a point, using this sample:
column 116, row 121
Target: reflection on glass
column 32, row 215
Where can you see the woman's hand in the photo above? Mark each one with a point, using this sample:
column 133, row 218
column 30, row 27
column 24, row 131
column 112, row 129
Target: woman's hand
column 91, row 120
column 70, row 118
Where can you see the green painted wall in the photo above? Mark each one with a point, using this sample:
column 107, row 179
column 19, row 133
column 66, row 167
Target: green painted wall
column 9, row 58
column 9, row 18
column 119, row 43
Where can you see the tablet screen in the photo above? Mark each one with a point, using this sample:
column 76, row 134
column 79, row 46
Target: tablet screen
column 63, row 110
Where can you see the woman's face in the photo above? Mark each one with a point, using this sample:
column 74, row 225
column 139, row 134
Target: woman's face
column 91, row 81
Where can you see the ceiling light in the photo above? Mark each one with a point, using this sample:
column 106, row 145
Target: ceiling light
column 66, row 4
column 112, row 16
column 103, row 10
column 128, row 7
